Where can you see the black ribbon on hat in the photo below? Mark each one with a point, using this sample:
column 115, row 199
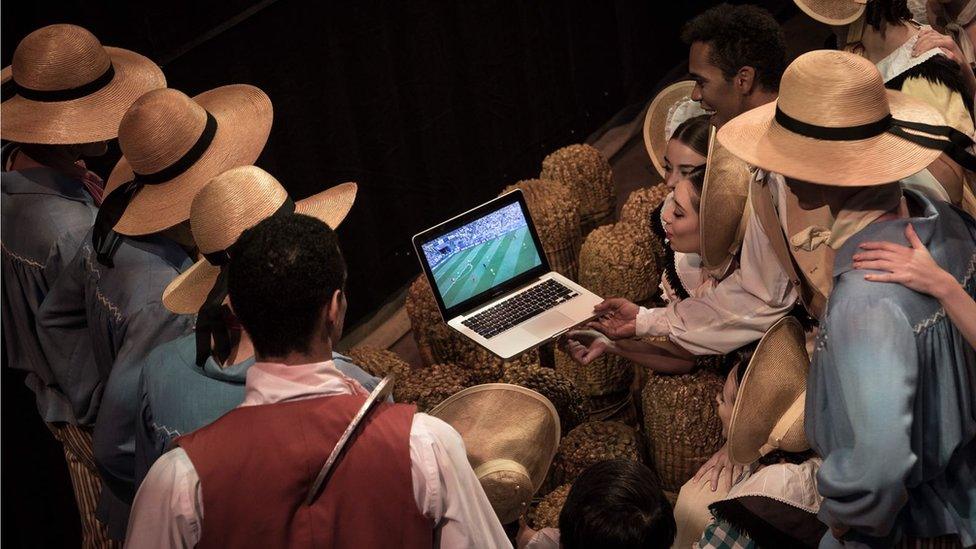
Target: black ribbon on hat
column 8, row 89
column 954, row 146
column 104, row 238
column 49, row 96
column 211, row 323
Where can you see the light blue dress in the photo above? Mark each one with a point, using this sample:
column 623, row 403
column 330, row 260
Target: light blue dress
column 891, row 395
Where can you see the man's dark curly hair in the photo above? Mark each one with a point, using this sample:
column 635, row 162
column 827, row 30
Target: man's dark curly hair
column 741, row 36
column 881, row 13
column 282, row 272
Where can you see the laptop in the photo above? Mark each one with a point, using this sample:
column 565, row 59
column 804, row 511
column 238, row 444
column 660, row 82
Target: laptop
column 492, row 281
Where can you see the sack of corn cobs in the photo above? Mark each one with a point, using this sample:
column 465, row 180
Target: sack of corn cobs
column 589, row 175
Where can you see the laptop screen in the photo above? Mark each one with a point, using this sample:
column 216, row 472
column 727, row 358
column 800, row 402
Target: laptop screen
column 481, row 254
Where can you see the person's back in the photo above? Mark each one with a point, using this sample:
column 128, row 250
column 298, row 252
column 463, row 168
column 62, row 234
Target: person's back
column 909, row 398
column 178, row 397
column 45, row 215
column 404, row 480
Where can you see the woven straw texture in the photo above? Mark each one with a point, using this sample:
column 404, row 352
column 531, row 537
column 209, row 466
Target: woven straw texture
column 638, row 209
column 589, row 175
column 591, row 443
column 617, row 260
column 832, row 12
column 60, row 57
column 555, row 210
column 232, row 202
column 545, row 513
column 569, row 401
column 681, row 423
column 379, row 362
column 605, row 381
column 162, row 126
column 832, row 89
column 428, row 387
column 437, row 342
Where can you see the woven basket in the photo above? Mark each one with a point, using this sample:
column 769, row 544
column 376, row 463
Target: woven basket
column 544, row 513
column 438, row 343
column 379, row 362
column 617, row 260
column 604, row 381
column 555, row 211
column 638, row 209
column 589, row 175
column 591, row 443
column 681, row 424
column 428, row 387
column 569, row 401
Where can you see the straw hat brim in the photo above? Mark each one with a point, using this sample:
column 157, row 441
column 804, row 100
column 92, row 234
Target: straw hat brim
column 723, row 203
column 775, row 377
column 755, row 137
column 469, row 411
column 244, row 115
column 831, row 12
column 656, row 120
column 92, row 118
column 187, row 292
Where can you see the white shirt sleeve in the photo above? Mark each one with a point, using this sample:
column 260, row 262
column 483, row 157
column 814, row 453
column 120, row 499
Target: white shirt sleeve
column 736, row 311
column 168, row 507
column 447, row 490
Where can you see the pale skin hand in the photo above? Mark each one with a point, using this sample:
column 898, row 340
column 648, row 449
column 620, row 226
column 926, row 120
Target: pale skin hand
column 914, row 268
column 931, row 38
column 585, row 346
column 617, row 318
column 716, row 464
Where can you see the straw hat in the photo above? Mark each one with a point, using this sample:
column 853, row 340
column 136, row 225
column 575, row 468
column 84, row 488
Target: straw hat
column 840, row 98
column 768, row 411
column 70, row 89
column 7, row 82
column 165, row 127
column 722, row 208
column 833, row 12
column 511, row 434
column 669, row 108
column 231, row 203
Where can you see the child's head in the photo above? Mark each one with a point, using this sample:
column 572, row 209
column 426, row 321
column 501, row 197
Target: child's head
column 616, row 504
column 725, row 399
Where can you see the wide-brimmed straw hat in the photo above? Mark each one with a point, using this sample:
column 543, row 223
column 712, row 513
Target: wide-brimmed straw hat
column 669, row 108
column 69, row 89
column 722, row 210
column 178, row 144
column 833, row 12
column 768, row 411
column 231, row 203
column 835, row 124
column 511, row 434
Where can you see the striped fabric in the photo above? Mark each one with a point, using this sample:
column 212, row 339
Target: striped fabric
column 87, row 486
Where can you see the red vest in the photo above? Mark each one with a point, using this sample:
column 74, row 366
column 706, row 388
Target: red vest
column 257, row 463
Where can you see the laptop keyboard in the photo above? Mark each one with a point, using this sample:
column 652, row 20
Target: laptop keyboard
column 519, row 308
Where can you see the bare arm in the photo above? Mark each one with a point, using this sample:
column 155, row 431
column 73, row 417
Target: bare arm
column 585, row 346
column 914, row 268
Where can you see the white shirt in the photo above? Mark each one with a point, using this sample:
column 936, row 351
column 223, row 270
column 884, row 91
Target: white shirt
column 168, row 509
column 720, row 318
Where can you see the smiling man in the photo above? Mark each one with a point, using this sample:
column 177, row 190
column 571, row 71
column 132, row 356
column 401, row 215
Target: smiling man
column 737, row 57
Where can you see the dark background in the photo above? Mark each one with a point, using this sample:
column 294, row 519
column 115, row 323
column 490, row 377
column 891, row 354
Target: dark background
column 432, row 107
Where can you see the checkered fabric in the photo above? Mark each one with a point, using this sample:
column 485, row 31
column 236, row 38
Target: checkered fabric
column 721, row 535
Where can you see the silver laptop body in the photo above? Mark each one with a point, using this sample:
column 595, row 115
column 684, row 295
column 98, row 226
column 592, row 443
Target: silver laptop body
column 492, row 281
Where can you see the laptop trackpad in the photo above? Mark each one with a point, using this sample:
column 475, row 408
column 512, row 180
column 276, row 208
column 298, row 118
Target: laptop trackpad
column 547, row 324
